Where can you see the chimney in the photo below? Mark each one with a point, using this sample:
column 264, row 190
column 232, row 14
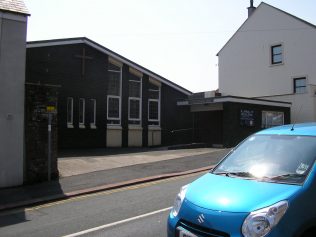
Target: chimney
column 251, row 9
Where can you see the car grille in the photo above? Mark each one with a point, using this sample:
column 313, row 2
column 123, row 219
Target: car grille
column 201, row 231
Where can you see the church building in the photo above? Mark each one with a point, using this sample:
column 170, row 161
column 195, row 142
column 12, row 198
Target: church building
column 106, row 100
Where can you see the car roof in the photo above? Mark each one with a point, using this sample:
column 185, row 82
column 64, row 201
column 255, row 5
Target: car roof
column 304, row 129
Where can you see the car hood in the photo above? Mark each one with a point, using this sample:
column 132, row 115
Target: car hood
column 230, row 194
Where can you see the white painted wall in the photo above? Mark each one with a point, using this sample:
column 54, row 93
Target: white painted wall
column 303, row 105
column 245, row 62
column 12, row 78
column 135, row 136
column 114, row 136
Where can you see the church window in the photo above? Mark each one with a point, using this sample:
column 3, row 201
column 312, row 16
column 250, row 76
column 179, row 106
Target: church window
column 114, row 94
column 113, row 109
column 134, row 100
column 153, row 104
column 70, row 103
column 81, row 113
column 93, row 108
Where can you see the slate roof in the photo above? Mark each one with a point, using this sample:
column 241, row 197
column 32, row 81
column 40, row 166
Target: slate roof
column 16, row 6
column 101, row 48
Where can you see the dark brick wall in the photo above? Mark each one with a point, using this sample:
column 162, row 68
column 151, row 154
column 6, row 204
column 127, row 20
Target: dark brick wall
column 37, row 97
column 208, row 127
column 234, row 132
column 176, row 121
column 124, row 115
column 59, row 65
column 145, row 110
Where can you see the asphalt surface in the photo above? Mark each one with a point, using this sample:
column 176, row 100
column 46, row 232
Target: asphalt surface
column 119, row 212
column 106, row 179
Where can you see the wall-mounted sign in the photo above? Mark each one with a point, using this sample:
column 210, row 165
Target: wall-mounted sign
column 247, row 117
column 51, row 109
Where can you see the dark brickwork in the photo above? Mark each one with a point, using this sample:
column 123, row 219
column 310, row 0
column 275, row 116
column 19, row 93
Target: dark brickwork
column 37, row 98
column 176, row 121
column 124, row 118
column 234, row 132
column 208, row 127
column 63, row 65
column 145, row 110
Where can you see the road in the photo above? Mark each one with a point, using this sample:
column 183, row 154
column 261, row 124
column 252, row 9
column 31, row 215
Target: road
column 139, row 210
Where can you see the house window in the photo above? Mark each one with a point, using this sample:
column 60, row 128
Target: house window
column 134, row 100
column 153, row 105
column 272, row 118
column 276, row 54
column 81, row 113
column 93, row 108
column 300, row 85
column 70, row 112
column 114, row 91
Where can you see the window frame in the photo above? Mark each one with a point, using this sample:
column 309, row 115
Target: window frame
column 107, row 112
column 110, row 120
column 296, row 87
column 129, row 109
column 158, row 119
column 94, row 113
column 70, row 123
column 139, row 99
column 266, row 125
column 83, row 110
column 272, row 55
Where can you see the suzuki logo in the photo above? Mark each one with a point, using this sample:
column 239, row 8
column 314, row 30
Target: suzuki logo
column 201, row 218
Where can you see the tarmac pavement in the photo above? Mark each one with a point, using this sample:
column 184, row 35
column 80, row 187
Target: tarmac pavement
column 98, row 170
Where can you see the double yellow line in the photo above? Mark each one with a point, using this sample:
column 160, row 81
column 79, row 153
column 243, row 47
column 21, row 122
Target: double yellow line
column 108, row 192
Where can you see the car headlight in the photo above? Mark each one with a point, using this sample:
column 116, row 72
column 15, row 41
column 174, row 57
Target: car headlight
column 178, row 201
column 259, row 223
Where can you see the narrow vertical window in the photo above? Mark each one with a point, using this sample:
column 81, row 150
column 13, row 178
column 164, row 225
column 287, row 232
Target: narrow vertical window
column 114, row 94
column 70, row 103
column 81, row 113
column 93, row 109
column 153, row 104
column 300, row 85
column 134, row 100
column 276, row 54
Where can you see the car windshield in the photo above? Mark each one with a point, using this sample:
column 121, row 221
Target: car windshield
column 271, row 158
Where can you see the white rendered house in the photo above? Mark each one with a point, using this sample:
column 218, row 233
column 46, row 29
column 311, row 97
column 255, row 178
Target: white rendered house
column 13, row 24
column 272, row 56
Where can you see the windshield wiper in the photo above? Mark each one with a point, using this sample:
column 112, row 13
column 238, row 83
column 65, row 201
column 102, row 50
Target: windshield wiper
column 238, row 174
column 286, row 176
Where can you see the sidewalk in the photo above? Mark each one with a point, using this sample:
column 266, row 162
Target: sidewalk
column 96, row 171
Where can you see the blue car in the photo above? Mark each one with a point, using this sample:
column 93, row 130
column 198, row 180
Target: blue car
column 266, row 186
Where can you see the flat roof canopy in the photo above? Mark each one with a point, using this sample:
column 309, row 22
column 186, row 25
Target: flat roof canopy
column 216, row 103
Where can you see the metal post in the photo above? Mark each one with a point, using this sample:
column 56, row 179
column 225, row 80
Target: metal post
column 50, row 115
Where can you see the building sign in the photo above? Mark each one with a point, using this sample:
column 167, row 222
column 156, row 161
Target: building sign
column 247, row 118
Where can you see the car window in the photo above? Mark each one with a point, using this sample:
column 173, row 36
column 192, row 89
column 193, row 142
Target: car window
column 276, row 158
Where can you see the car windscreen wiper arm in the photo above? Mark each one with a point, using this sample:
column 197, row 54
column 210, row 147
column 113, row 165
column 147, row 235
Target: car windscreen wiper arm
column 289, row 175
column 239, row 174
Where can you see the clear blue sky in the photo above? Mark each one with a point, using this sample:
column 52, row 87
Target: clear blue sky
column 177, row 39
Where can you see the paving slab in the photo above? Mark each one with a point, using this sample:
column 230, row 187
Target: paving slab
column 98, row 180
column 75, row 165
